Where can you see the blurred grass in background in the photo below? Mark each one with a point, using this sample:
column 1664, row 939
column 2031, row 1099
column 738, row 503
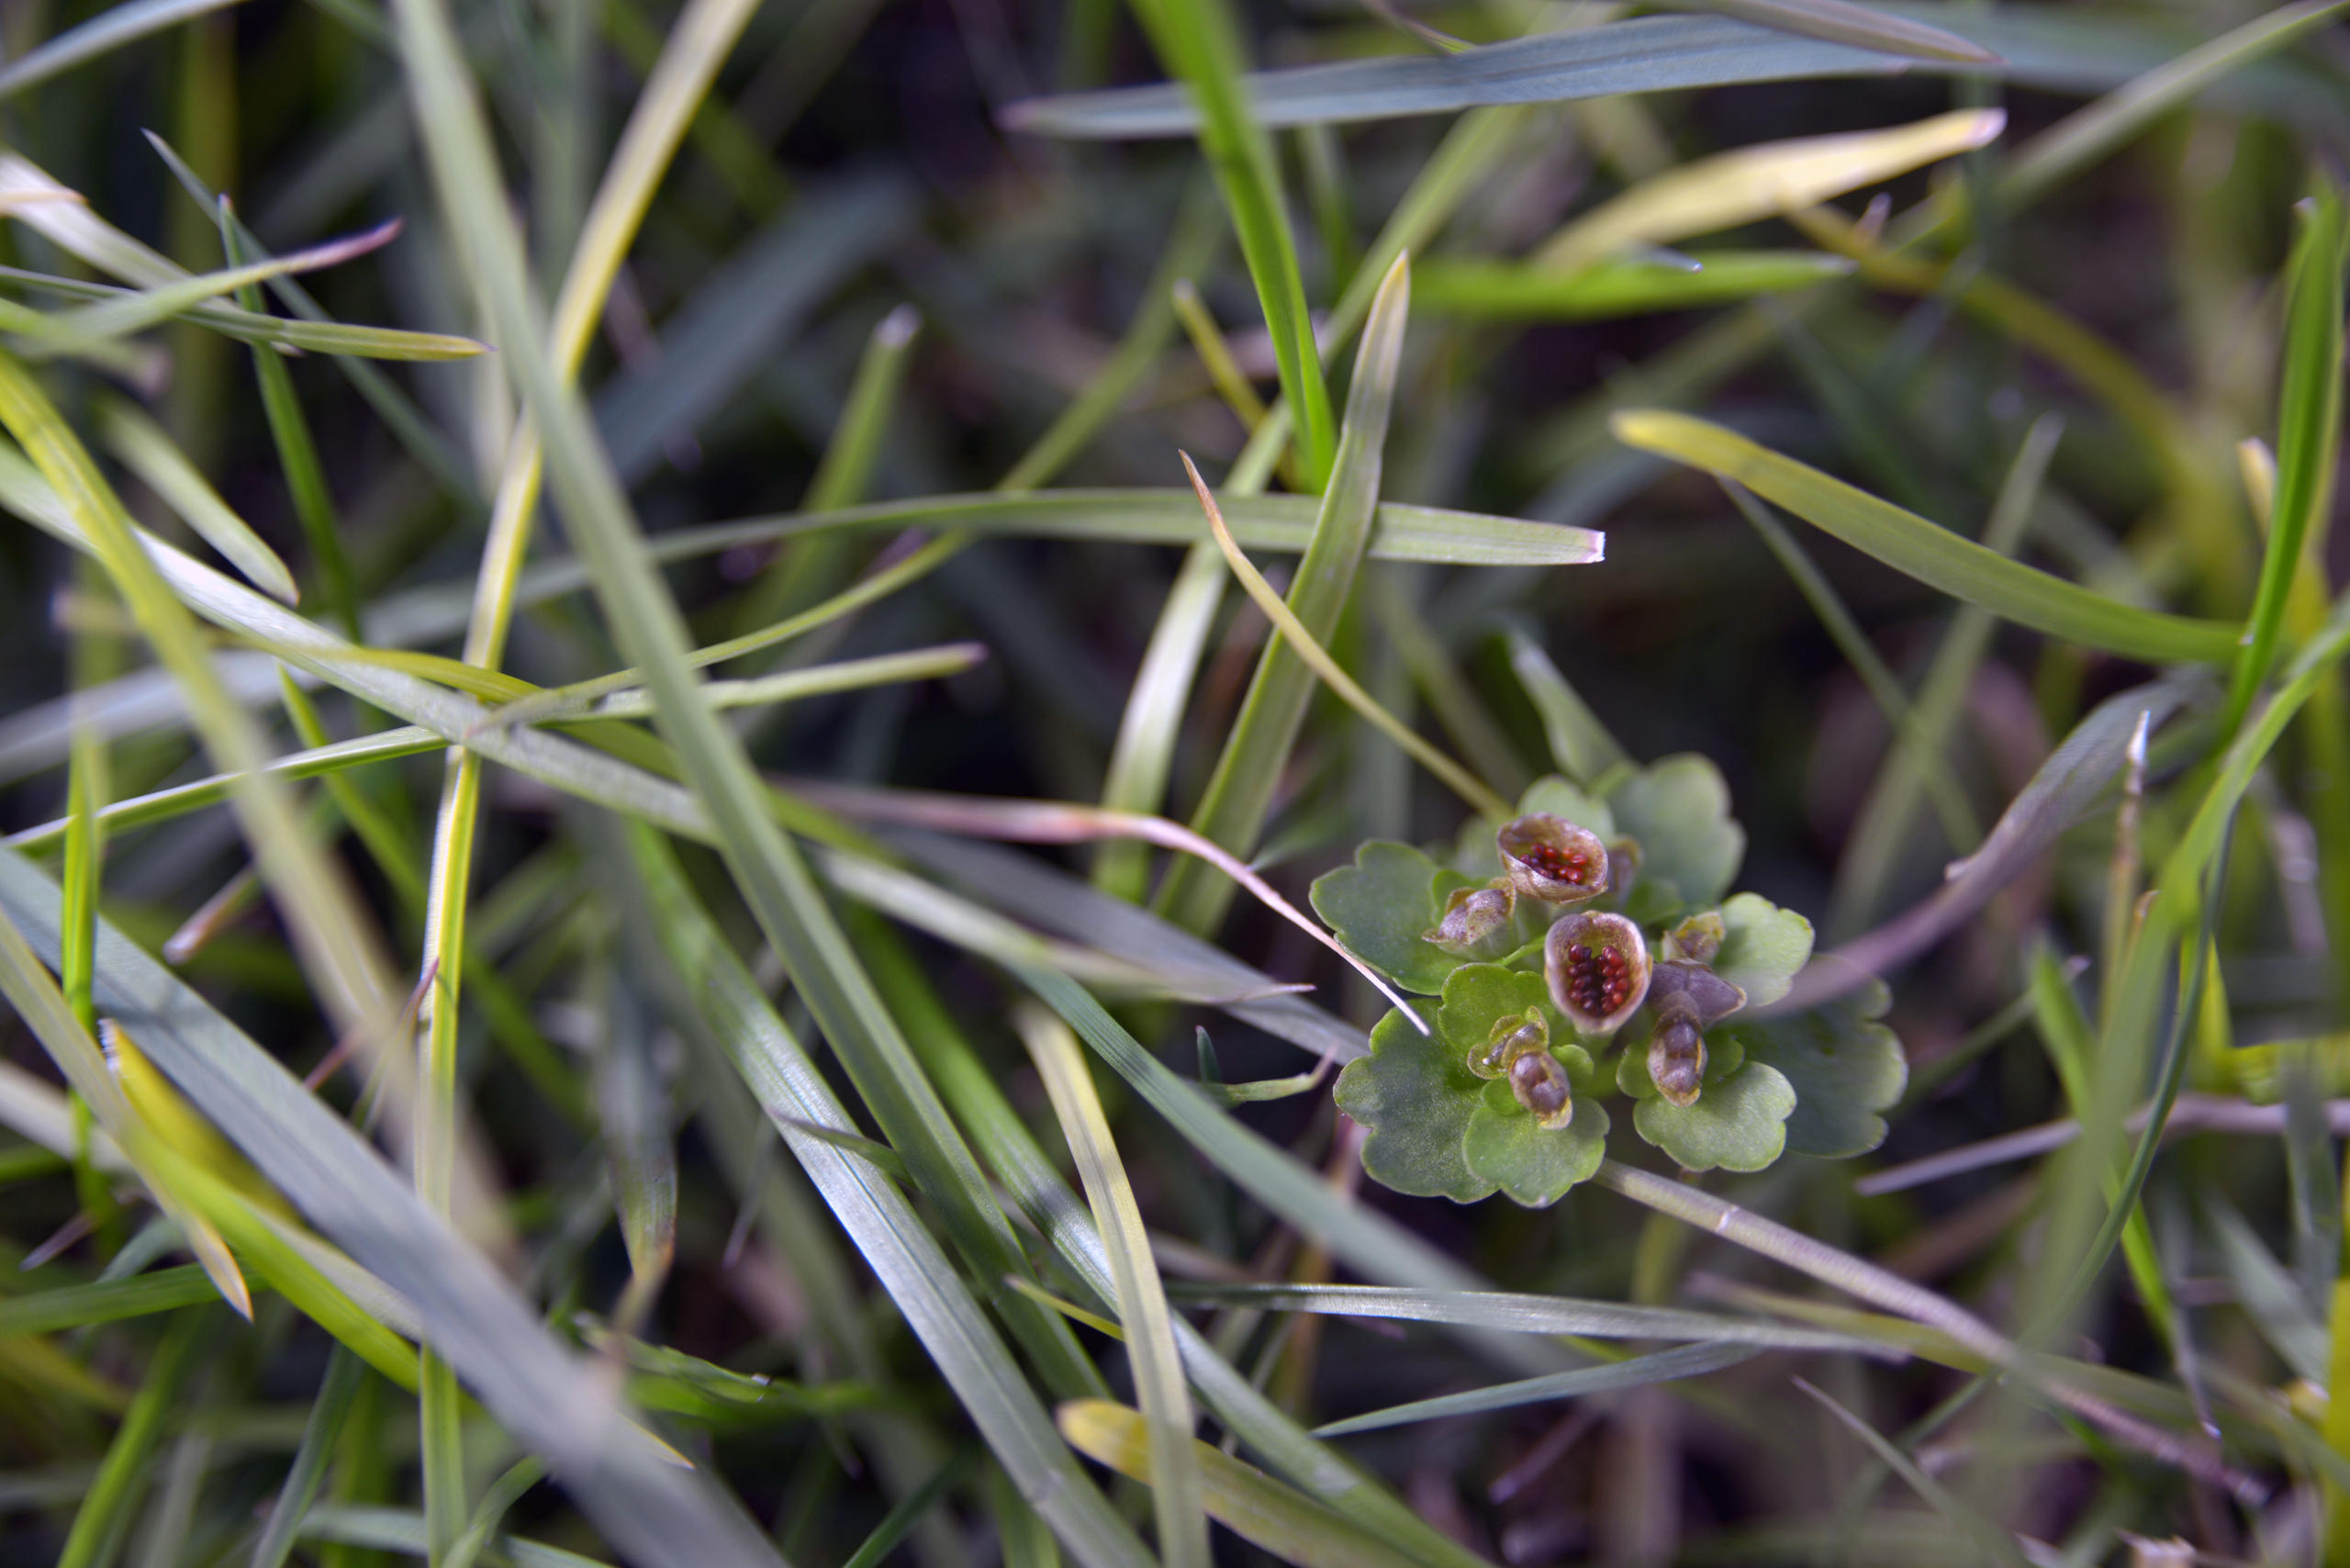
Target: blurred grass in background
column 384, row 1170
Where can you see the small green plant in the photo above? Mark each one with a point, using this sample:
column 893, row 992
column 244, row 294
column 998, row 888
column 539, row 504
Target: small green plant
column 1596, row 918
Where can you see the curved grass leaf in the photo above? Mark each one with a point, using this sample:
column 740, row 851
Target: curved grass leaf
column 146, row 307
column 1735, row 188
column 301, row 334
column 1932, row 554
column 2043, row 45
column 147, row 451
column 1638, row 1372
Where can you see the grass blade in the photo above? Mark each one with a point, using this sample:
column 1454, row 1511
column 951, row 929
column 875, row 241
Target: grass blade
column 147, row 451
column 1173, row 1472
column 320, row 1431
column 1992, row 1541
column 1607, row 289
column 151, row 306
column 106, row 32
column 112, row 1500
column 1934, row 555
column 1240, row 791
column 1201, row 44
column 2308, row 437
column 1754, row 182
column 1638, row 1372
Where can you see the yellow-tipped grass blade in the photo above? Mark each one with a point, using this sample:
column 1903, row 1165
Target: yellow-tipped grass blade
column 1755, row 183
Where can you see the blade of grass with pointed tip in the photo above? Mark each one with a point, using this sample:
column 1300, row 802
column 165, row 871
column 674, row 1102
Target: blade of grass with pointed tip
column 150, row 307
column 1249, row 1503
column 146, row 451
column 1158, row 1371
column 1200, row 41
column 1514, row 1312
column 1580, row 744
column 109, row 1301
column 1638, row 1372
column 2308, row 437
column 1731, row 190
column 1934, row 555
column 307, row 336
column 1240, row 791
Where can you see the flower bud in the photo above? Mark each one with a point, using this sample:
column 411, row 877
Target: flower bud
column 1697, row 938
column 1512, row 1038
column 1552, row 859
column 1475, row 922
column 1597, row 967
column 1677, row 1060
column 1542, row 1086
column 1687, row 999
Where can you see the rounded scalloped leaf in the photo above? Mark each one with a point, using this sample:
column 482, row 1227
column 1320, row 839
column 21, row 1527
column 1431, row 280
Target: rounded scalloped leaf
column 1382, row 907
column 1504, row 1146
column 1845, row 1065
column 1724, row 1056
column 1690, row 846
column 1555, row 796
column 1763, row 947
column 1740, row 1123
column 1415, row 1095
column 1478, row 996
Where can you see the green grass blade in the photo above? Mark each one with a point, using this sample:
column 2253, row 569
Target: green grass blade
column 1513, row 291
column 146, row 451
column 320, row 1431
column 1249, row 1503
column 1638, row 1372
column 1239, row 793
column 1934, row 555
column 2308, row 438
column 1517, row 1313
column 1732, row 189
column 1200, row 41
column 136, row 312
column 1141, row 1300
column 1144, row 756
column 107, row 1301
column 1580, row 744
column 908, row 1512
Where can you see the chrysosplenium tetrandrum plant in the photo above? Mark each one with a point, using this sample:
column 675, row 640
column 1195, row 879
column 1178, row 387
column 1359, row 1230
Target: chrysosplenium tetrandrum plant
column 1597, row 921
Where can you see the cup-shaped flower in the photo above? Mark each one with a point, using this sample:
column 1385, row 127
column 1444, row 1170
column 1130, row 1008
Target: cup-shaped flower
column 1542, row 1086
column 1597, row 967
column 1475, row 922
column 1552, row 859
column 1687, row 999
column 1513, row 1037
